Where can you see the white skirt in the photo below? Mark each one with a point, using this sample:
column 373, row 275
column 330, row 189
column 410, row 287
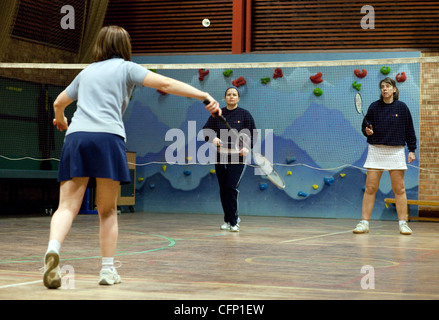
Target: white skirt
column 385, row 157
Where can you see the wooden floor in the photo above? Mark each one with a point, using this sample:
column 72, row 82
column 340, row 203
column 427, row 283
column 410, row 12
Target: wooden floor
column 182, row 256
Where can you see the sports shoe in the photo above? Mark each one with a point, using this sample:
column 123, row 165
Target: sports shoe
column 234, row 228
column 52, row 273
column 225, row 226
column 404, row 228
column 362, row 227
column 109, row 277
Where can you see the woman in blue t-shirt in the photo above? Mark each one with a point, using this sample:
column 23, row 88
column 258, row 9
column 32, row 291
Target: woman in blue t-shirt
column 94, row 147
column 390, row 129
column 231, row 154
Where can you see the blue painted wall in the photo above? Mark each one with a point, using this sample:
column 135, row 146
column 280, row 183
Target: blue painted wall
column 321, row 133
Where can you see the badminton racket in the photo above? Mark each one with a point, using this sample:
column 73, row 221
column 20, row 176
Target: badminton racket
column 260, row 161
column 359, row 106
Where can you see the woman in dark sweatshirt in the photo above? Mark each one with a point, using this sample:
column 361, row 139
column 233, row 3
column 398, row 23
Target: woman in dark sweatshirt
column 388, row 126
column 231, row 154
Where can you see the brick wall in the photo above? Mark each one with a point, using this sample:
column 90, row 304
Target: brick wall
column 429, row 135
column 30, row 52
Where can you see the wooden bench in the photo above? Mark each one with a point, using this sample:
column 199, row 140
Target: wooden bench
column 426, row 203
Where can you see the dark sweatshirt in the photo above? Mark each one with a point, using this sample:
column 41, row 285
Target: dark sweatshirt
column 392, row 125
column 238, row 119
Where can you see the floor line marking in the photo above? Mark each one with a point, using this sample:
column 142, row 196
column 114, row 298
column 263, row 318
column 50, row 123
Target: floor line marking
column 318, row 236
column 20, row 284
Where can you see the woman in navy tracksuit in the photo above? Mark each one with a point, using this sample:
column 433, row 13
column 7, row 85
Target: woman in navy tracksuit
column 230, row 165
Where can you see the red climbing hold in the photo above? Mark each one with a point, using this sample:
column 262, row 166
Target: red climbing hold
column 401, row 77
column 278, row 73
column 317, row 78
column 202, row 73
column 239, row 82
column 360, row 74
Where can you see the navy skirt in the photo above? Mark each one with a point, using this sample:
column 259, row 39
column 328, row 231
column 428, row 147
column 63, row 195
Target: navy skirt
column 94, row 155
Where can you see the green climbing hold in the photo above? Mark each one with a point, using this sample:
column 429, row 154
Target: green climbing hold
column 318, row 92
column 385, row 70
column 356, row 85
column 228, row 72
column 265, row 80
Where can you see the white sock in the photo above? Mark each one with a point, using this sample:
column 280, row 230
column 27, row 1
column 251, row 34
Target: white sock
column 107, row 263
column 54, row 245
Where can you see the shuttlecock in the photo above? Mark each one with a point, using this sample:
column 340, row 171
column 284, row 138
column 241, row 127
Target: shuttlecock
column 206, row 22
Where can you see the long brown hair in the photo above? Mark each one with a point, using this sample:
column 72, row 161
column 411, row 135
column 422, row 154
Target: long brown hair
column 112, row 41
column 392, row 82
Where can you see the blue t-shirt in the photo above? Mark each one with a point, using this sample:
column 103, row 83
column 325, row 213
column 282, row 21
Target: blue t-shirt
column 103, row 91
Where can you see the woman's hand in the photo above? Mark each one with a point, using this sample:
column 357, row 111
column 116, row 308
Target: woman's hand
column 243, row 152
column 369, row 131
column 217, row 142
column 213, row 106
column 411, row 157
column 61, row 124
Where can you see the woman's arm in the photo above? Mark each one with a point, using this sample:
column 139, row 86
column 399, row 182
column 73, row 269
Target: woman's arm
column 61, row 102
column 176, row 87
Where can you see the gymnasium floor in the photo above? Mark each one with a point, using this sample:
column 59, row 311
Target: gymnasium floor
column 184, row 256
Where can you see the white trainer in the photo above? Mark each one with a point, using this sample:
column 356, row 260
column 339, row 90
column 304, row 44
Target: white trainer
column 234, row 228
column 225, row 226
column 404, row 228
column 362, row 227
column 109, row 277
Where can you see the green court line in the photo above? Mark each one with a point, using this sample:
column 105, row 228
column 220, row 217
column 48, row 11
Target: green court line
column 171, row 243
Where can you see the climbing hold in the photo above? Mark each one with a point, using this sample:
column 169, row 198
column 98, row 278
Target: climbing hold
column 161, row 92
column 302, row 194
column 239, row 82
column 164, row 168
column 289, row 173
column 212, row 171
column 228, row 72
column 188, row 158
column 277, row 73
column 342, row 175
column 317, row 78
column 401, row 77
column 318, row 92
column 290, row 160
column 263, row 186
column 265, row 80
column 202, row 73
column 385, row 70
column 360, row 74
column 187, row 172
column 328, row 180
column 315, row 187
column 356, row 85
column 152, row 186
column 139, row 179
